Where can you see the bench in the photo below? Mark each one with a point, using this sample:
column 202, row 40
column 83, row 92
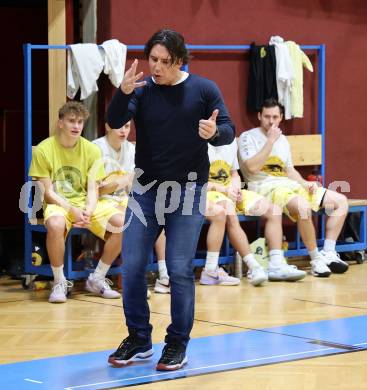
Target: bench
column 306, row 151
column 73, row 269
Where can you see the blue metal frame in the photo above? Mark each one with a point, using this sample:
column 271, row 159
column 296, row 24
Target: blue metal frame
column 297, row 248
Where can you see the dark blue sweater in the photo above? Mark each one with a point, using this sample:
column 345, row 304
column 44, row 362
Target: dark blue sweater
column 168, row 146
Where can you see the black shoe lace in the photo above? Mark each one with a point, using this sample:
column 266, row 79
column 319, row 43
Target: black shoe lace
column 126, row 343
column 171, row 350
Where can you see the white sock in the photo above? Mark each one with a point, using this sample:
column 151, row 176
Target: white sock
column 58, row 273
column 313, row 254
column 329, row 245
column 162, row 269
column 101, row 270
column 250, row 261
column 276, row 257
column 211, row 263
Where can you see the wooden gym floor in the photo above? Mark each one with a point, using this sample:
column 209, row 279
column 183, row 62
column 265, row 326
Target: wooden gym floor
column 240, row 320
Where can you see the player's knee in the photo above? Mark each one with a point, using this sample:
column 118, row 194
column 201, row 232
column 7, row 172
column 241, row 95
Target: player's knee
column 304, row 209
column 55, row 225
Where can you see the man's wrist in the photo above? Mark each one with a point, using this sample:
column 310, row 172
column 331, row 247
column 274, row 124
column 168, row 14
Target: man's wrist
column 216, row 134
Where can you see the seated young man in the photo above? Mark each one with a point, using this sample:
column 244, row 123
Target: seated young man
column 68, row 166
column 267, row 167
column 119, row 161
column 224, row 199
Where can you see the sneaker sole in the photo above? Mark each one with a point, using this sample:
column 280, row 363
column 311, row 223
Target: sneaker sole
column 163, row 367
column 209, row 282
column 204, row 283
column 162, row 290
column 258, row 282
column 122, row 363
column 99, row 294
column 57, row 301
column 321, row 275
column 338, row 268
column 291, row 278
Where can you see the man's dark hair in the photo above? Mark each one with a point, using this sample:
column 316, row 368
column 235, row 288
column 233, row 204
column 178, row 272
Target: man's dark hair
column 271, row 102
column 174, row 43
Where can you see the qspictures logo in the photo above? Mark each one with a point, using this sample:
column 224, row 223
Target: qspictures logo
column 68, row 181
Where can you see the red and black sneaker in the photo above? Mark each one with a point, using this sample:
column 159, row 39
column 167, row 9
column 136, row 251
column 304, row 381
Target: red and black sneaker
column 131, row 348
column 173, row 357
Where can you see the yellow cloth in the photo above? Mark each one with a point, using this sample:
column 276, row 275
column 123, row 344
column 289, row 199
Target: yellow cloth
column 68, row 168
column 299, row 60
column 220, row 172
column 274, row 166
column 249, row 198
column 98, row 222
column 282, row 195
column 119, row 196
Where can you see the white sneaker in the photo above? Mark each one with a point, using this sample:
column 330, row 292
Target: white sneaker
column 319, row 267
column 101, row 287
column 285, row 272
column 334, row 262
column 257, row 275
column 162, row 286
column 60, row 291
column 218, row 277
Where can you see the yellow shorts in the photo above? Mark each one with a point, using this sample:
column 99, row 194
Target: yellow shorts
column 249, row 198
column 282, row 195
column 105, row 209
column 123, row 202
column 117, row 201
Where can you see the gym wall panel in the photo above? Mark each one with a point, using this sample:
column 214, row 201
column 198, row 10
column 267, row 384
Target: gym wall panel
column 341, row 25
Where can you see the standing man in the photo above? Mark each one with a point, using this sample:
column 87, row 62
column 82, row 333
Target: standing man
column 176, row 114
column 267, row 167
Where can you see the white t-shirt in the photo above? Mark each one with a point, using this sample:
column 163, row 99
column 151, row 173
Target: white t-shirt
column 118, row 162
column 273, row 173
column 223, row 160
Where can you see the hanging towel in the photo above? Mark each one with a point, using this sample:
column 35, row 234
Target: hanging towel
column 284, row 73
column 84, row 67
column 299, row 60
column 114, row 55
column 262, row 79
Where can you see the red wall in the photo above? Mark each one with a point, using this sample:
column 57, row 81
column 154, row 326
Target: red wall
column 18, row 27
column 341, row 25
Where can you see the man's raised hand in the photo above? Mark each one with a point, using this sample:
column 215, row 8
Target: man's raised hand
column 130, row 80
column 207, row 127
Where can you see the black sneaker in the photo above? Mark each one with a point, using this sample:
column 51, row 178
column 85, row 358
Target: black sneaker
column 132, row 347
column 173, row 357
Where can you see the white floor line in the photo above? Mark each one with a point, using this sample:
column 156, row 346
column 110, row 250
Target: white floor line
column 356, row 345
column 201, row 368
column 32, row 380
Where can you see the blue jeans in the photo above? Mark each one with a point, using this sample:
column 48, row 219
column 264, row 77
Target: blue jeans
column 182, row 233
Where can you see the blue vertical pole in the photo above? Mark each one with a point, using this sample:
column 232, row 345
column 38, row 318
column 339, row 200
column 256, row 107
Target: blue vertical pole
column 321, row 105
column 321, row 119
column 27, row 53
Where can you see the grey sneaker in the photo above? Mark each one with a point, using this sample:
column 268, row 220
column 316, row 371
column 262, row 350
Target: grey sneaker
column 60, row 291
column 162, row 286
column 257, row 276
column 101, row 287
column 218, row 277
column 285, row 272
